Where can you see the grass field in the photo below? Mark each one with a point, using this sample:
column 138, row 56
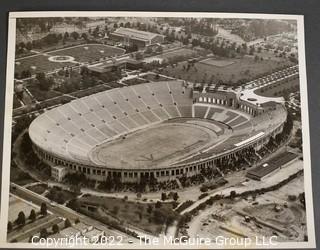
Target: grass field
column 155, row 78
column 145, row 216
column 40, row 62
column 157, row 146
column 178, row 52
column 134, row 81
column 42, row 95
column 81, row 53
column 217, row 62
column 89, row 52
column 19, row 177
column 38, row 188
column 232, row 71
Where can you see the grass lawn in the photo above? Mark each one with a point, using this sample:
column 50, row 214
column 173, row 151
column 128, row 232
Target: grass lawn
column 141, row 215
column 178, row 52
column 18, row 176
column 240, row 69
column 59, row 195
column 16, row 102
column 134, row 81
column 40, row 62
column 39, row 188
column 41, row 95
column 89, row 91
column 155, row 78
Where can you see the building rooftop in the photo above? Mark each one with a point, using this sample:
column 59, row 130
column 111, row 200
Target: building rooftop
column 135, row 34
column 273, row 164
column 92, row 233
column 81, row 226
column 101, row 67
column 69, row 232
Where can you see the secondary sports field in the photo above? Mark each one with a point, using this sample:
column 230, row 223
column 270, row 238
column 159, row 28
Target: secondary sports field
column 38, row 63
column 157, row 146
column 228, row 70
column 89, row 52
column 81, row 54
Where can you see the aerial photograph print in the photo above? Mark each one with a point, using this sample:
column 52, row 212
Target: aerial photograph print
column 156, row 130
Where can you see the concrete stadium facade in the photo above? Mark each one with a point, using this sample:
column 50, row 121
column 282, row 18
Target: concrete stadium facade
column 268, row 116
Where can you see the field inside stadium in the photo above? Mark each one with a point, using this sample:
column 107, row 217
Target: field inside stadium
column 157, row 146
column 80, row 53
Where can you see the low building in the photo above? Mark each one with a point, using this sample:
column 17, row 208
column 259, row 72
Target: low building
column 262, row 171
column 94, row 235
column 83, row 228
column 130, row 37
column 70, row 232
column 111, row 65
column 58, row 173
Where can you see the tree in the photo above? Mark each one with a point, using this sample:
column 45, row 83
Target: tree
column 175, row 196
column 55, row 228
column 43, row 233
column 43, row 209
column 139, row 195
column 159, row 49
column 158, row 204
column 21, row 220
column 302, row 199
column 67, row 223
column 163, row 196
column 115, row 210
column 232, row 194
column 32, row 215
column 139, row 56
column 149, row 209
column 10, row 226
column 75, row 35
column 84, row 36
column 66, row 36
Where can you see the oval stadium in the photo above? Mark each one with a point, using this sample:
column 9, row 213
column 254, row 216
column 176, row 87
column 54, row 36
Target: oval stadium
column 161, row 130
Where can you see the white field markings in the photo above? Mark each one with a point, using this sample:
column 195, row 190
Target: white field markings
column 233, row 119
column 133, row 89
column 128, row 129
column 193, row 111
column 157, row 101
column 207, row 112
column 173, row 101
column 238, row 125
